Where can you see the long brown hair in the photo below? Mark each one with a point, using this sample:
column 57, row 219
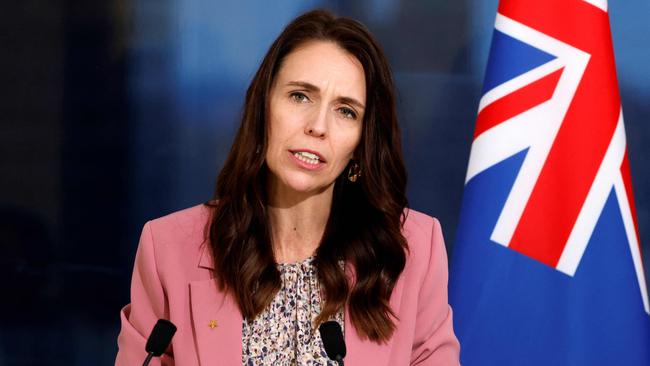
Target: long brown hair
column 366, row 218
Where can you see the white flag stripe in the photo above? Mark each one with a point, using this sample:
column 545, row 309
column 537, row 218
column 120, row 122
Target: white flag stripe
column 519, row 82
column 630, row 231
column 601, row 4
column 595, row 201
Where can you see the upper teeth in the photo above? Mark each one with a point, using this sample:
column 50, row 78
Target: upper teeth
column 307, row 157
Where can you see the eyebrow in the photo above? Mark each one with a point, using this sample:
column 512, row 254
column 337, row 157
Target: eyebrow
column 314, row 88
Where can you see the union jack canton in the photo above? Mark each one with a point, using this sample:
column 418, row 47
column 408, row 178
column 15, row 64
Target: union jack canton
column 547, row 265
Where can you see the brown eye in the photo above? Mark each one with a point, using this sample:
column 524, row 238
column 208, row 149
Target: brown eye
column 299, row 97
column 348, row 113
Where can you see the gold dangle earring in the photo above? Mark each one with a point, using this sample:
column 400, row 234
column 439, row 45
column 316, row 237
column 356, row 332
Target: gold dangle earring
column 354, row 172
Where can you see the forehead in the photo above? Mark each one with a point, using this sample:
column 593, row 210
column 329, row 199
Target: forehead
column 326, row 65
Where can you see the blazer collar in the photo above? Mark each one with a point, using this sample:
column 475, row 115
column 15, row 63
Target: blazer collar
column 205, row 258
column 217, row 324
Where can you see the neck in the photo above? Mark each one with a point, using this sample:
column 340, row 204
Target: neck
column 297, row 222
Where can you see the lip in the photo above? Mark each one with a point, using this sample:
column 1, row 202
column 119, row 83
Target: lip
column 306, row 166
column 320, row 157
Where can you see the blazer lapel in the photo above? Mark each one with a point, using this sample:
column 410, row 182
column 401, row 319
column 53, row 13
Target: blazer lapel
column 216, row 320
column 365, row 352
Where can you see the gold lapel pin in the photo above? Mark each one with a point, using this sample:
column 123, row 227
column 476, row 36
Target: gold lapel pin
column 213, row 324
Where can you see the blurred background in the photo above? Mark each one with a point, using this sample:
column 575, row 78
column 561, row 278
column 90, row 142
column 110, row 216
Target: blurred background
column 115, row 112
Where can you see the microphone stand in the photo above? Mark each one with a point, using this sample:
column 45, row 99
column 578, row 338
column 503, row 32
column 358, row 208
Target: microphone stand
column 148, row 359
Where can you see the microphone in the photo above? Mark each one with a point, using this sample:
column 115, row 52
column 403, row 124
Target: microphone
column 159, row 339
column 332, row 336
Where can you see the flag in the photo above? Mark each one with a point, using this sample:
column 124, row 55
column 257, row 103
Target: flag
column 547, row 267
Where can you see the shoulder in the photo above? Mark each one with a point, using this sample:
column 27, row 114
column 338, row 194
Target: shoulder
column 424, row 236
column 420, row 230
column 181, row 226
column 178, row 239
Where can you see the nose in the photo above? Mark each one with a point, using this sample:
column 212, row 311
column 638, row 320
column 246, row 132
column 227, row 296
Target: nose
column 317, row 124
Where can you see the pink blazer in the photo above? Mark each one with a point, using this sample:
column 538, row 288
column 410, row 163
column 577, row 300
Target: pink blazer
column 173, row 279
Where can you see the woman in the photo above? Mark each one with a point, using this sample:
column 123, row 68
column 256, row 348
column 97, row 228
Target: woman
column 308, row 224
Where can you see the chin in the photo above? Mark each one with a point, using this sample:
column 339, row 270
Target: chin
column 302, row 187
column 304, row 184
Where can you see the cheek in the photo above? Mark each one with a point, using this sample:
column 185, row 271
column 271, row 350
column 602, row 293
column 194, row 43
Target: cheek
column 347, row 147
column 280, row 132
column 277, row 130
column 283, row 124
column 355, row 140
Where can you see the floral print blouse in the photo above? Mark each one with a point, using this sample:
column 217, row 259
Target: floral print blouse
column 282, row 334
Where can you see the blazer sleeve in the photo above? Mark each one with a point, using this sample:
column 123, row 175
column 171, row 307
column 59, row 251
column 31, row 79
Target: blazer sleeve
column 435, row 342
column 148, row 304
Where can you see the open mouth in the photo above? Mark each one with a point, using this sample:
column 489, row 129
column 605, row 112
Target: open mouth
column 308, row 156
column 307, row 159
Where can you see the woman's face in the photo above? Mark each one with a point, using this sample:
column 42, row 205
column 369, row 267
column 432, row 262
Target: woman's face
column 315, row 120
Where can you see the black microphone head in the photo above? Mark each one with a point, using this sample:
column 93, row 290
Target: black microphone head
column 160, row 337
column 332, row 336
